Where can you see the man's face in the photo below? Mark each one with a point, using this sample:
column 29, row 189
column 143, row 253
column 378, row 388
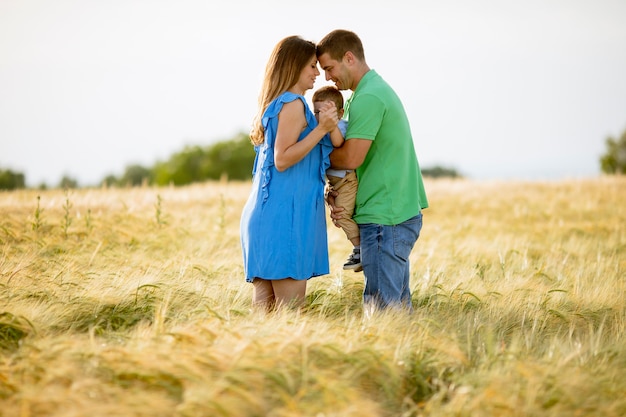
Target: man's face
column 335, row 71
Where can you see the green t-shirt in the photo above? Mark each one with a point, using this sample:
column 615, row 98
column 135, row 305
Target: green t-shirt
column 391, row 189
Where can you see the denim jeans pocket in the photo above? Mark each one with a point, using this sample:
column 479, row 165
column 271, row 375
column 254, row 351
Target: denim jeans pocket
column 405, row 235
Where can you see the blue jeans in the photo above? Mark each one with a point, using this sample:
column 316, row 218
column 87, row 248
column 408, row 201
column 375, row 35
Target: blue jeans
column 385, row 258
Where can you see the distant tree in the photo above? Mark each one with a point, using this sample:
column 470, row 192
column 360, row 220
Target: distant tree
column 68, row 182
column 110, row 181
column 232, row 159
column 161, row 172
column 135, row 175
column 440, row 172
column 614, row 160
column 185, row 167
column 10, row 180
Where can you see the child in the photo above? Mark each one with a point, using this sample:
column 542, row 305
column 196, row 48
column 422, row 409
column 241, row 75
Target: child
column 341, row 180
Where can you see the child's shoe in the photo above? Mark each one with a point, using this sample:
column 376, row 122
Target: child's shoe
column 354, row 261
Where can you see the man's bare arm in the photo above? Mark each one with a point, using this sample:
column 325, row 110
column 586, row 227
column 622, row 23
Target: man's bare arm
column 351, row 154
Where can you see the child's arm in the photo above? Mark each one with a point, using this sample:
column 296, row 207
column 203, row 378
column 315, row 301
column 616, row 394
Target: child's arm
column 336, row 137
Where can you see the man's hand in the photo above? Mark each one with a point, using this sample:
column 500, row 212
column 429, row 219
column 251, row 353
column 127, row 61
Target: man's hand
column 336, row 213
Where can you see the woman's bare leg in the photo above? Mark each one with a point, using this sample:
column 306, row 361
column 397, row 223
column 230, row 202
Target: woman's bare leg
column 263, row 297
column 289, row 292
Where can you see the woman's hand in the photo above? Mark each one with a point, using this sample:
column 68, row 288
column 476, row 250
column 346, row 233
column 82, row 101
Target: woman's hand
column 328, row 116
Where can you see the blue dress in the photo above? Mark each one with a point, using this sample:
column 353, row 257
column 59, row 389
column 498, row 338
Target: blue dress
column 283, row 224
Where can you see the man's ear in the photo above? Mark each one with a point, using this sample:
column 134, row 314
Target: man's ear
column 349, row 57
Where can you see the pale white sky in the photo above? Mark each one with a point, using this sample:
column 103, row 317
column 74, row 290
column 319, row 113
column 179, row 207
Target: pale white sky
column 497, row 89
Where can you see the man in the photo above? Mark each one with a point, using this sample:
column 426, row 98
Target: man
column 379, row 145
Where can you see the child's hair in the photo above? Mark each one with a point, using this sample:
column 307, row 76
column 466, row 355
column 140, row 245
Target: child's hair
column 331, row 93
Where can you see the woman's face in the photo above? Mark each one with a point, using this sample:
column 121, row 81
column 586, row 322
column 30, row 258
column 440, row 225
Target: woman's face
column 309, row 74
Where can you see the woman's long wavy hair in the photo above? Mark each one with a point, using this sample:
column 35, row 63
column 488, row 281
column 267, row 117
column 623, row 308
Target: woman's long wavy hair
column 282, row 72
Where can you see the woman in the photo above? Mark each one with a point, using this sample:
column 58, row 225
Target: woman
column 283, row 224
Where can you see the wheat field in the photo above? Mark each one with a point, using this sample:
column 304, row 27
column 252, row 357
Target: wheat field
column 132, row 302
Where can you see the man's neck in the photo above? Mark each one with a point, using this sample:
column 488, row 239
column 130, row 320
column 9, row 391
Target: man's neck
column 360, row 73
